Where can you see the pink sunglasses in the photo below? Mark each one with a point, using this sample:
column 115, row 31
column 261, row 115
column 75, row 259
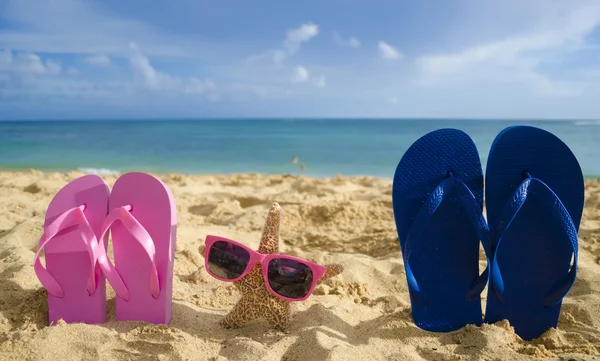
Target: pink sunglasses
column 289, row 278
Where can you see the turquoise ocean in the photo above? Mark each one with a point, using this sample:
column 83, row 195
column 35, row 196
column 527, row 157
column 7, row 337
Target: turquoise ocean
column 223, row 146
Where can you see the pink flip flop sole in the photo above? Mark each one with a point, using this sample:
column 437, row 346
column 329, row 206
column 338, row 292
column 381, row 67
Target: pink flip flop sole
column 143, row 223
column 67, row 255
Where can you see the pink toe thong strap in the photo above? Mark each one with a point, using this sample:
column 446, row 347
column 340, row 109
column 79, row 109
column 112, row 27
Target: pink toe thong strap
column 68, row 219
column 142, row 236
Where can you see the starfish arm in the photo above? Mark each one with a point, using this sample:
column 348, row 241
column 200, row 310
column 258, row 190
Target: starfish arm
column 332, row 271
column 243, row 312
column 269, row 241
column 279, row 316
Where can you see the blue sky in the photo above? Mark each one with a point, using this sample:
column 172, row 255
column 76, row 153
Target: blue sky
column 331, row 58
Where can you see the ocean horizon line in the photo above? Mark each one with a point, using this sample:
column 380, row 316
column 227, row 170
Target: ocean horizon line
column 282, row 118
column 108, row 171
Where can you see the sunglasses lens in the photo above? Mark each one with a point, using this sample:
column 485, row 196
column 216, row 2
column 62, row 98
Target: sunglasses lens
column 226, row 260
column 289, row 278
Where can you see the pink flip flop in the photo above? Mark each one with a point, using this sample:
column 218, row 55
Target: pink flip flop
column 75, row 285
column 143, row 222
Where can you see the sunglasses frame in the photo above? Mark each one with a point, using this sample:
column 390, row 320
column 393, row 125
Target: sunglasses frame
column 318, row 271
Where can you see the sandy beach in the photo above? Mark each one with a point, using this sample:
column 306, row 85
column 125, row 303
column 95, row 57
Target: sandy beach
column 362, row 314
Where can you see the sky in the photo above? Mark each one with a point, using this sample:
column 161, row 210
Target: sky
column 68, row 59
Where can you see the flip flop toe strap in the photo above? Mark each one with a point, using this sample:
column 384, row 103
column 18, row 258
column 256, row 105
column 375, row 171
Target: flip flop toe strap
column 569, row 234
column 457, row 188
column 141, row 235
column 70, row 220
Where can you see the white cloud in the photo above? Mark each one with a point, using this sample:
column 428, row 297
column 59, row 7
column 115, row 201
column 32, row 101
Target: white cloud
column 27, row 63
column 197, row 86
column 141, row 66
column 51, row 66
column 88, row 28
column 154, row 80
column 568, row 36
column 299, row 35
column 352, row 41
column 386, row 51
column 320, row 82
column 292, row 43
column 98, row 60
column 300, row 75
column 517, row 58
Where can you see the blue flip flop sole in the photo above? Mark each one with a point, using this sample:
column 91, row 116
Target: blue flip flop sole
column 445, row 258
column 536, row 246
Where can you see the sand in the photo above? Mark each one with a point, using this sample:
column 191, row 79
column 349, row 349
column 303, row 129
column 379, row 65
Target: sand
column 363, row 314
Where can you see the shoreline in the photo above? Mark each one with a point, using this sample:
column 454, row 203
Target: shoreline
column 208, row 174
column 170, row 173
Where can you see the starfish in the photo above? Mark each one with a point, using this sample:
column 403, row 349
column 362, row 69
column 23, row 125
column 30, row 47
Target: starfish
column 256, row 301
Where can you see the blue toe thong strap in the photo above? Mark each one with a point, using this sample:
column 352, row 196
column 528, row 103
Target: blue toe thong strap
column 458, row 189
column 508, row 215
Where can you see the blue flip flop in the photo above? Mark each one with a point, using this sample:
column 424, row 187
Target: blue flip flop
column 437, row 198
column 534, row 203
